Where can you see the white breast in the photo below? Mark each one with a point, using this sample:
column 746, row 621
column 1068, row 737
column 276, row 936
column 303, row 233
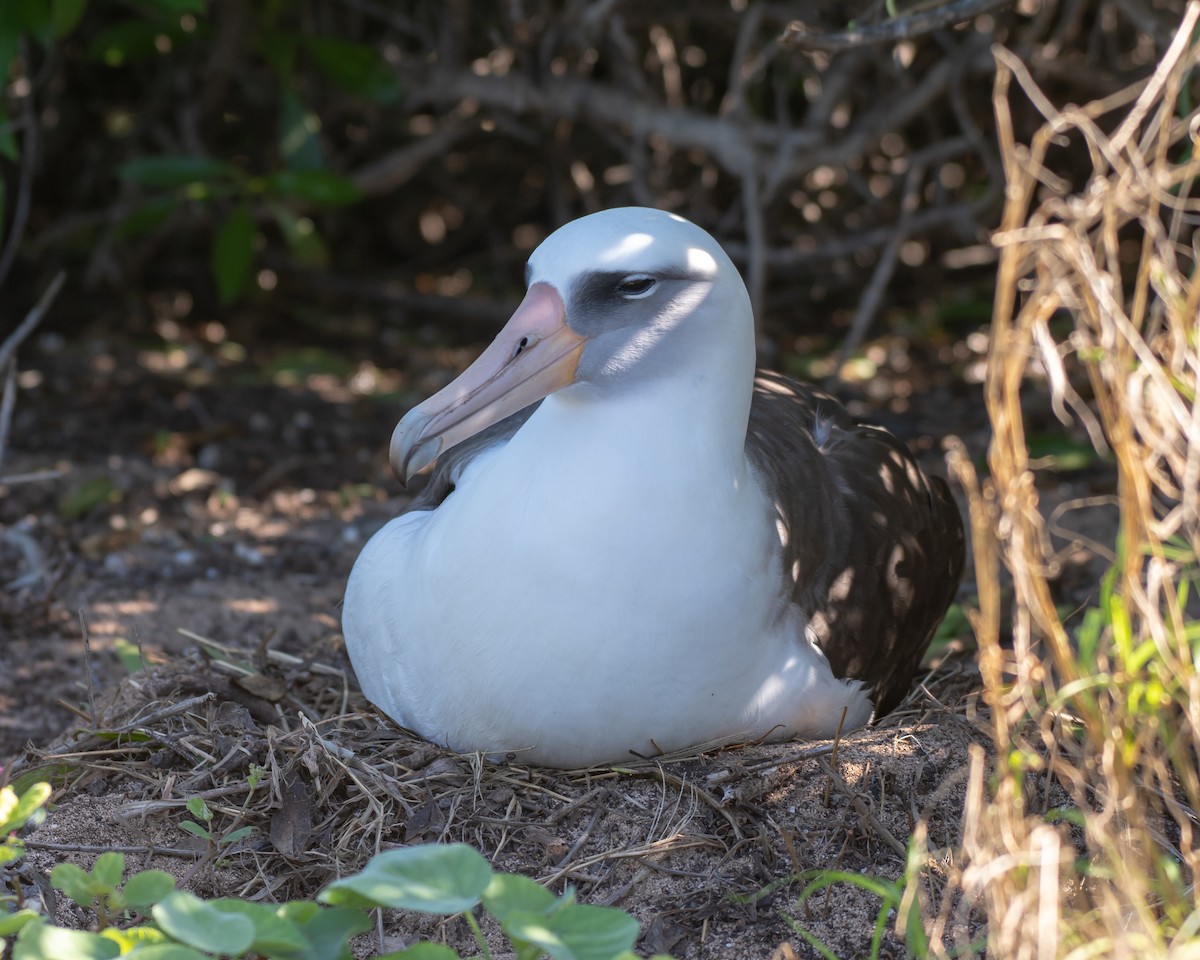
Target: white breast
column 605, row 582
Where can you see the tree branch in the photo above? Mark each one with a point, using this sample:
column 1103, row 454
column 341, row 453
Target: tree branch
column 797, row 36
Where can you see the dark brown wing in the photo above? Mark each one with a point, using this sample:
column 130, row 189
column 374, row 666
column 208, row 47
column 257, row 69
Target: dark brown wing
column 874, row 549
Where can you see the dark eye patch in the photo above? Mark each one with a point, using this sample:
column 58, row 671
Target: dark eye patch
column 601, row 298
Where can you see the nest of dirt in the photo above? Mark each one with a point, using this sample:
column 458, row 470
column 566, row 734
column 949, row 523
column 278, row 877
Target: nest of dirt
column 705, row 848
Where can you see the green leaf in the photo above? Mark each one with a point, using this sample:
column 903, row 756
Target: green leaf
column 168, row 951
column 146, row 887
column 130, row 938
column 432, row 879
column 20, row 810
column 74, row 882
column 426, row 950
column 233, row 255
column 326, row 929
column 39, row 774
column 239, row 834
column 65, row 15
column 299, row 135
column 38, row 941
column 109, row 868
column 273, row 931
column 199, row 809
column 128, row 654
column 510, row 892
column 315, row 186
column 189, row 919
column 33, row 17
column 84, row 497
column 355, row 67
column 187, row 826
column 174, row 170
column 147, row 216
column 10, row 923
column 575, row 932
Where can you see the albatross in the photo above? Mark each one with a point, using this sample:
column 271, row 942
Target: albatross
column 630, row 542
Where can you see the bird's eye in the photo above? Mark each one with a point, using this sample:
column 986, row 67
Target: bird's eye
column 636, row 286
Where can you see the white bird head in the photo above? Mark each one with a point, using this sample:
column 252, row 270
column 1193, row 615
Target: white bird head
column 605, row 293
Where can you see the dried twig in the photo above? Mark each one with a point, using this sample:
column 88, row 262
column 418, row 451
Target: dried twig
column 148, row 851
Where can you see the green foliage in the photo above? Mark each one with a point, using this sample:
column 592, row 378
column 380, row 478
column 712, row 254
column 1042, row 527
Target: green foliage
column 231, row 187
column 82, row 498
column 129, row 655
column 17, row 809
column 897, row 897
column 216, row 841
column 144, row 916
column 101, row 891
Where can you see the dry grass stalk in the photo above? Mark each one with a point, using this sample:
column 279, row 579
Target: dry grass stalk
column 1108, row 707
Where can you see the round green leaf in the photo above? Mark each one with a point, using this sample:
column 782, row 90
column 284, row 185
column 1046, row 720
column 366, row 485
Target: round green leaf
column 575, row 932
column 433, row 879
column 38, row 941
column 189, row 919
column 108, row 869
column 273, row 931
column 509, row 892
column 10, row 923
column 74, row 882
column 147, row 887
column 329, row 928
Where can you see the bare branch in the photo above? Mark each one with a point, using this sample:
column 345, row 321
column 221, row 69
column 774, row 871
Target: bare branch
column 797, row 36
column 7, row 402
column 398, row 167
column 868, row 304
column 29, row 160
column 9, row 347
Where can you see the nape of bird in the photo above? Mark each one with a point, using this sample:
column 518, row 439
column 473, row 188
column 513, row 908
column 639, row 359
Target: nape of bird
column 629, row 542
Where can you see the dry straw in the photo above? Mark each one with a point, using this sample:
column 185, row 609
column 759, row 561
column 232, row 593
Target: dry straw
column 1097, row 302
